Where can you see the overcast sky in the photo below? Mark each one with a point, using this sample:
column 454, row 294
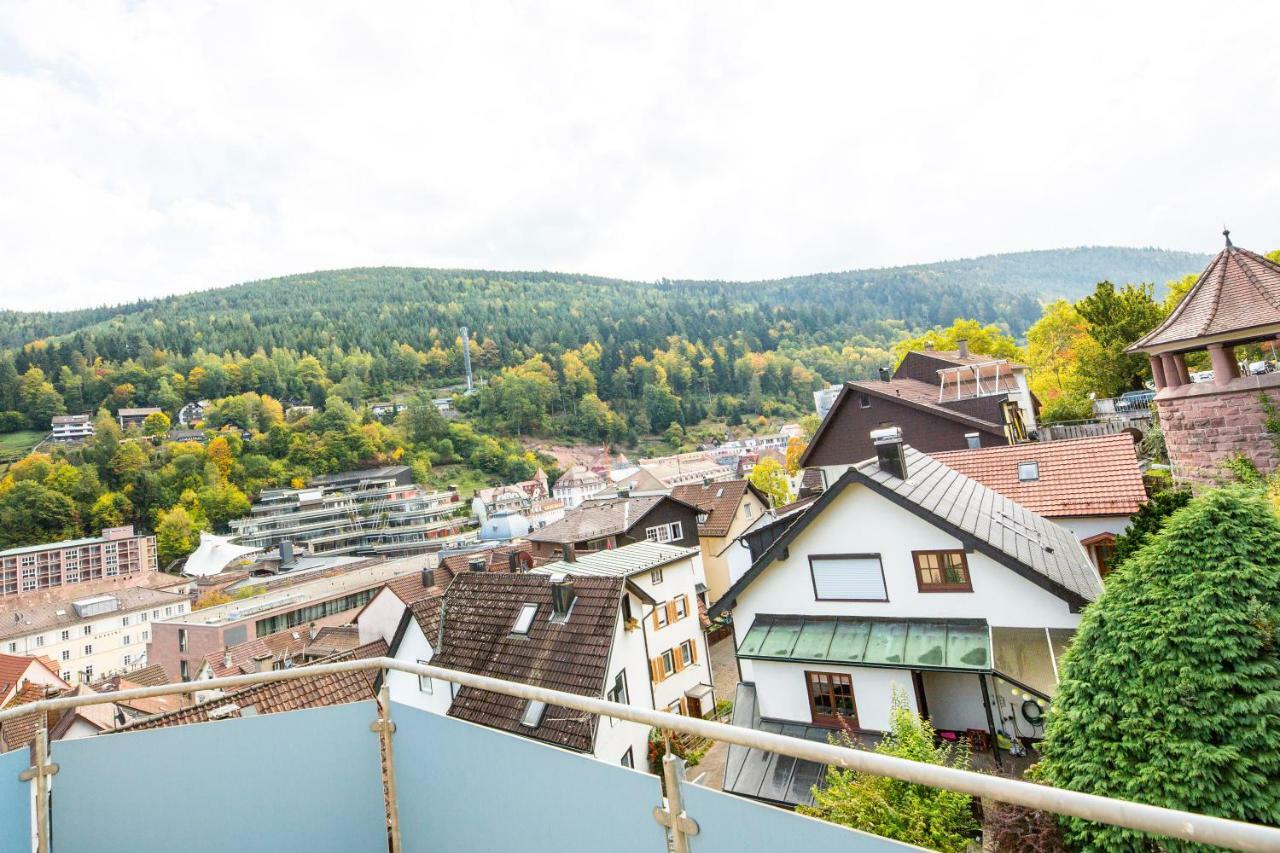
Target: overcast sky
column 154, row 148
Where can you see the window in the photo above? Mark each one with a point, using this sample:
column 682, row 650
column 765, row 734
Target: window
column 831, row 699
column 66, row 655
column 168, row 611
column 66, row 675
column 660, row 616
column 182, row 608
column 182, row 639
column 126, row 639
column 668, row 663
column 66, row 635
column 88, row 629
column 702, row 517
column 848, row 577
column 628, row 759
column 146, row 635
column 748, row 508
column 424, row 681
column 88, row 672
column 13, row 648
column 532, row 717
column 686, row 653
column 664, row 532
column 675, row 708
column 128, row 659
column 655, row 577
column 184, row 670
column 1028, row 471
column 618, row 693
column 682, row 607
column 125, row 621
column 942, row 571
column 972, row 440
column 1104, row 554
column 864, row 401
column 40, row 640
column 142, row 617
column 88, row 650
column 524, row 621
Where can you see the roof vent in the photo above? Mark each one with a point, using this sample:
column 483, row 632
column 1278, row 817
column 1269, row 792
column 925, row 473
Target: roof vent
column 884, row 374
column 562, row 597
column 477, row 564
column 532, row 716
column 428, row 578
column 1028, row 471
column 962, row 348
column 889, row 455
column 226, row 658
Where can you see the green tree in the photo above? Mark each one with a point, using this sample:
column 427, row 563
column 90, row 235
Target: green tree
column 769, row 477
column 177, row 535
column 1056, row 344
column 421, row 421
column 1116, row 318
column 1149, row 520
column 1170, row 693
column 156, row 423
column 111, row 509
column 915, row 814
column 987, row 339
column 31, row 513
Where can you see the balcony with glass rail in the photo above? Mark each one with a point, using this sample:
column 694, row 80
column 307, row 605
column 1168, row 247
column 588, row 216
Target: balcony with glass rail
column 379, row 775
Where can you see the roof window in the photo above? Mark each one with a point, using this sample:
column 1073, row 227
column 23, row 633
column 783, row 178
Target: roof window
column 532, row 717
column 1028, row 471
column 525, row 620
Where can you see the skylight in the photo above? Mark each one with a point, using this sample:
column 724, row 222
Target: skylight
column 525, row 620
column 1028, row 471
column 532, row 716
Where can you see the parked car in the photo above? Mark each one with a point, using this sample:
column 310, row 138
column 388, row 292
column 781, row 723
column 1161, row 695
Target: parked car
column 1131, row 400
column 1257, row 368
column 1202, row 376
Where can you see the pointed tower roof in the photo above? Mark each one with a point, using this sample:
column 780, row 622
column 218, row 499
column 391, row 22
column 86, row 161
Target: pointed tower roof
column 1236, row 299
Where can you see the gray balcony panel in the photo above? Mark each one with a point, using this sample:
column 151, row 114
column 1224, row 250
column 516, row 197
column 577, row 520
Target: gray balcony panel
column 303, row 780
column 15, row 801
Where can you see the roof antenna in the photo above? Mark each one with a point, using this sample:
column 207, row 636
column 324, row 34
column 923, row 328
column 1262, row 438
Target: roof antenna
column 1227, row 234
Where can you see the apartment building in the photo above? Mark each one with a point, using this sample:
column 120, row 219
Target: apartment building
column 319, row 598
column 134, row 418
column 71, row 427
column 378, row 511
column 92, row 637
column 117, row 553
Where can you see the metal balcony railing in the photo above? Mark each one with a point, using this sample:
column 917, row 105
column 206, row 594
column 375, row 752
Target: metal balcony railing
column 307, row 779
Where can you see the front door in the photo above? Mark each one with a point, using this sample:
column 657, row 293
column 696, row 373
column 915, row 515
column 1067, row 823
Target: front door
column 831, row 699
column 694, row 706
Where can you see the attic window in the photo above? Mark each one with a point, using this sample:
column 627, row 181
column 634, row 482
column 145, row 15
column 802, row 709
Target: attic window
column 702, row 518
column 864, row 401
column 720, row 492
column 532, row 717
column 525, row 620
column 1028, row 471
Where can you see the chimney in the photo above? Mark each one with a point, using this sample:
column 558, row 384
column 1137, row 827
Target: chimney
column 884, row 374
column 962, row 347
column 561, row 597
column 428, row 578
column 513, row 562
column 928, row 346
column 287, row 560
column 477, row 564
column 226, row 658
column 888, row 444
column 624, row 491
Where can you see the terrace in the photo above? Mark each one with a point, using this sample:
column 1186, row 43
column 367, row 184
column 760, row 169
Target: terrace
column 376, row 775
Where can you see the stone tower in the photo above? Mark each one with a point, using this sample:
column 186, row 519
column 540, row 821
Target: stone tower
column 1235, row 301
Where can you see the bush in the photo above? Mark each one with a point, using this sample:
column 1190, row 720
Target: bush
column 1013, row 829
column 1170, row 693
column 915, row 814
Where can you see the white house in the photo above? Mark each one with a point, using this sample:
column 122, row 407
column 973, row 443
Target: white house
column 907, row 576
column 71, row 427
column 576, row 485
column 662, row 599
column 565, row 633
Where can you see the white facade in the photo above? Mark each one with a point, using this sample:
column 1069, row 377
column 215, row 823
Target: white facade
column 71, row 428
column 858, row 521
column 681, row 636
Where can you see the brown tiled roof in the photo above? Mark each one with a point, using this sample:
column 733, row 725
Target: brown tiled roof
column 787, row 509
column 595, row 518
column 19, row 731
column 289, row 643
column 1078, row 477
column 956, row 358
column 1239, row 290
column 811, row 480
column 480, row 610
column 147, row 676
column 719, row 501
column 497, row 560
column 426, row 612
column 332, row 640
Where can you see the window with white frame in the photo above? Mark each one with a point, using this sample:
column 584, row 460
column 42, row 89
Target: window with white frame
column 682, row 608
column 655, row 577
column 66, row 635
column 66, row 655
column 88, row 650
column 848, row 577
column 686, row 653
column 40, row 640
column 125, row 640
column 424, row 681
column 660, row 616
column 128, row 659
column 669, row 663
column 88, row 629
column 664, row 532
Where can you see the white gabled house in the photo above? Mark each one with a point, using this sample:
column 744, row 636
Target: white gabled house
column 555, row 631
column 661, row 602
column 906, row 575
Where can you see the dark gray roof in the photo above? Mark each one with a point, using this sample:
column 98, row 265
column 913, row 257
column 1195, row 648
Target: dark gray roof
column 1038, row 549
column 769, row 776
column 595, row 518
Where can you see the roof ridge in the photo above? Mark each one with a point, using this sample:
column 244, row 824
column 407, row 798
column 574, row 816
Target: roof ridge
column 1186, row 299
column 1253, row 280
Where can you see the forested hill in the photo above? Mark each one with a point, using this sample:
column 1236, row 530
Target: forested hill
column 371, row 308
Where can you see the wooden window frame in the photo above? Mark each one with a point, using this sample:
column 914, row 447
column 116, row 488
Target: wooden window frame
column 813, row 579
column 824, row 719
column 922, row 586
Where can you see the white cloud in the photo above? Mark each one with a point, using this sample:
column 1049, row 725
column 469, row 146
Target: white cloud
column 156, row 148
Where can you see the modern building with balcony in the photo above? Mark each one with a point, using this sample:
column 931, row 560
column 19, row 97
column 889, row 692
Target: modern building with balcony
column 374, row 512
column 118, row 553
column 71, row 427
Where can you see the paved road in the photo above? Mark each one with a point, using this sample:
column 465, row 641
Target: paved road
column 724, row 673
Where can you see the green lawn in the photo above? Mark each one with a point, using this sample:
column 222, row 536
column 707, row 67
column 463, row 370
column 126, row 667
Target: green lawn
column 15, row 445
column 467, row 479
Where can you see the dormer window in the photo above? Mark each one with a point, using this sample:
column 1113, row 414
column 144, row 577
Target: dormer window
column 532, row 717
column 524, row 621
column 702, row 518
column 1028, row 471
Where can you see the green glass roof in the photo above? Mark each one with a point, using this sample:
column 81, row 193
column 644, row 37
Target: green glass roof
column 963, row 644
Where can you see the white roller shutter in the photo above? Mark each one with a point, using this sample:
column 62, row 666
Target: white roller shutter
column 850, row 578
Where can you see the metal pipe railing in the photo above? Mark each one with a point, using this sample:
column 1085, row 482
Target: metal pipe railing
column 1202, row 829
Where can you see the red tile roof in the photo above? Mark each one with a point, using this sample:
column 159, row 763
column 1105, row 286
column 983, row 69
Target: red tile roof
column 718, row 500
column 571, row 656
column 1078, row 477
column 1239, row 290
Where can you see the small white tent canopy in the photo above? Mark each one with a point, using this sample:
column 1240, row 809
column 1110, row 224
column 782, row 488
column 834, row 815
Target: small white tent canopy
column 213, row 555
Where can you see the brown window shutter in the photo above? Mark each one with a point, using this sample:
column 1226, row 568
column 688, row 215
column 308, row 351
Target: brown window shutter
column 671, row 612
column 655, row 670
column 656, row 626
column 684, row 706
column 693, row 651
column 687, row 608
column 676, row 656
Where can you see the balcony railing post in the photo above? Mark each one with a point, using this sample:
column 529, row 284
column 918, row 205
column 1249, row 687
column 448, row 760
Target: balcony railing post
column 38, row 775
column 385, row 728
column 673, row 817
